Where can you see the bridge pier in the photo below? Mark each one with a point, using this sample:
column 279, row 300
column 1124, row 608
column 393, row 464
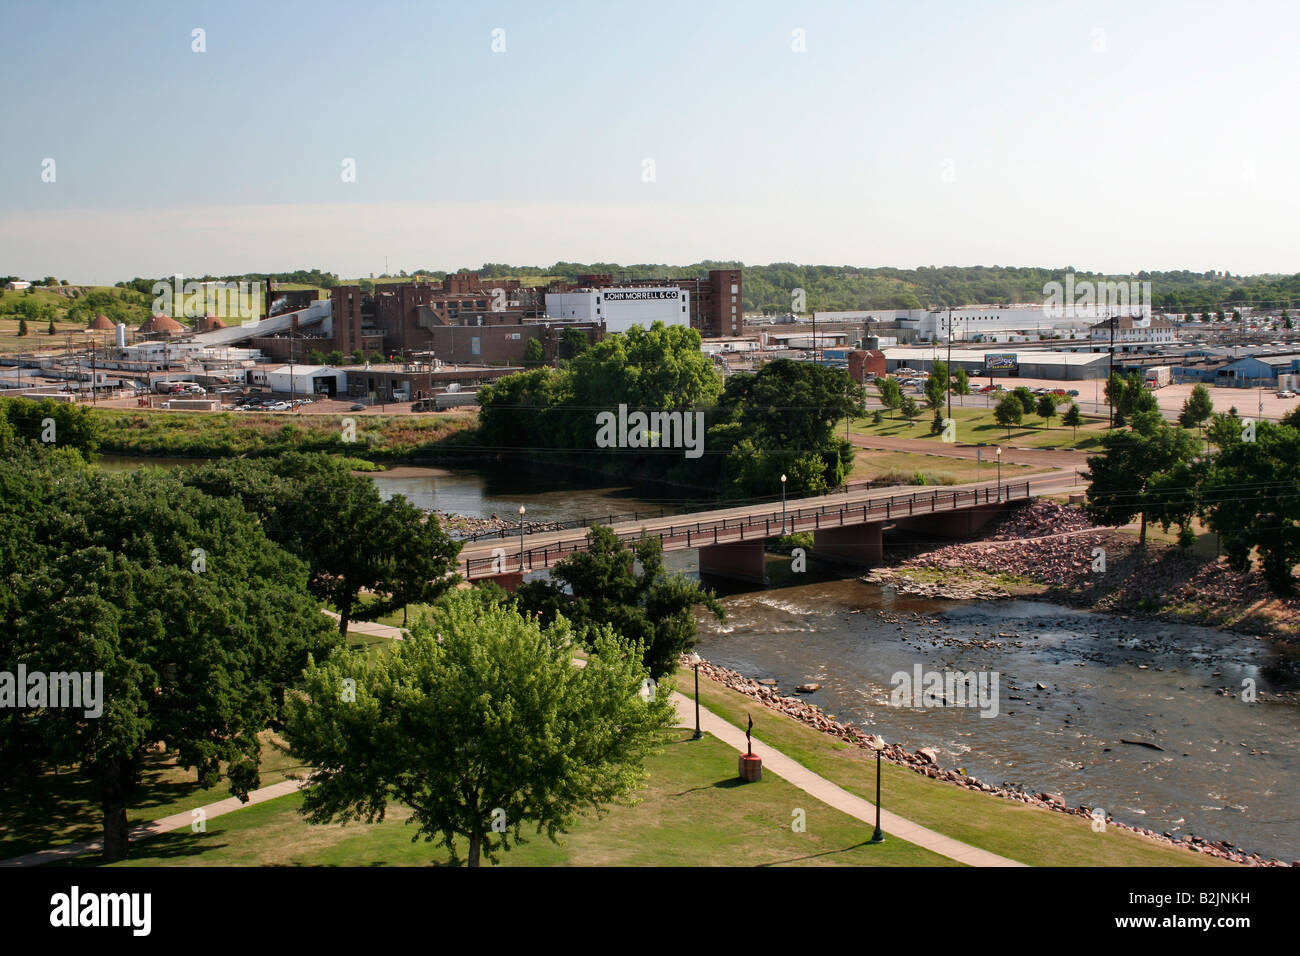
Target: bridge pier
column 740, row 561
column 508, row 582
column 952, row 524
column 851, row 544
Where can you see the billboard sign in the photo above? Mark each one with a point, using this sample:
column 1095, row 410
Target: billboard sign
column 1003, row 362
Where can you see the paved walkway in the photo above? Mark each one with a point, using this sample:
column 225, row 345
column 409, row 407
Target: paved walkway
column 773, row 761
column 142, row 831
column 835, row 796
column 371, row 628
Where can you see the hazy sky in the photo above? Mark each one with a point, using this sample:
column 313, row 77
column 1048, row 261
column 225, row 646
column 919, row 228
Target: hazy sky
column 1114, row 136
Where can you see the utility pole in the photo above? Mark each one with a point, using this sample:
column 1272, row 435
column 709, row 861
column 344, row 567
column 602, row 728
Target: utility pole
column 1111, row 372
column 948, row 383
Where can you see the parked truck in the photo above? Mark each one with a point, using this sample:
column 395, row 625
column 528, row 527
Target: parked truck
column 1159, row 376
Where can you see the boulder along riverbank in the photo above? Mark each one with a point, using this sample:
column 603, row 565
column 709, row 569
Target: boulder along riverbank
column 1052, row 551
column 925, row 761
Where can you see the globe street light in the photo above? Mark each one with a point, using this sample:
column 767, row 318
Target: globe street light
column 522, row 509
column 695, row 660
column 783, row 503
column 877, row 744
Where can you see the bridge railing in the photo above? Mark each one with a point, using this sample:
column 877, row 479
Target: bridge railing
column 704, row 533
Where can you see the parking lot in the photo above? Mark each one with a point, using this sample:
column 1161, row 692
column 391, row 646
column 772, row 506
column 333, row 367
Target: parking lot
column 1092, row 400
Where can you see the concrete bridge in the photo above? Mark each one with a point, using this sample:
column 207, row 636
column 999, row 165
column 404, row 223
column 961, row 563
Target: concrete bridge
column 846, row 528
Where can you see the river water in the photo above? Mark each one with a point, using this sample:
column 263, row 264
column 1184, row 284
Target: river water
column 1072, row 684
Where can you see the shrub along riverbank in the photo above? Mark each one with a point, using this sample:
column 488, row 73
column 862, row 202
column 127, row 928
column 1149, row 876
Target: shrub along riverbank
column 378, row 438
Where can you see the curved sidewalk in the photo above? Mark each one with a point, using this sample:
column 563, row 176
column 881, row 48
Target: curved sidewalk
column 835, row 796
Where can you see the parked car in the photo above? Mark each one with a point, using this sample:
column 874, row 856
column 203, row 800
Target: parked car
column 1286, row 393
column 358, row 407
column 1073, row 393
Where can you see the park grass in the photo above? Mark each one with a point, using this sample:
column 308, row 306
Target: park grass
column 60, row 807
column 691, row 812
column 1025, row 833
column 873, row 464
column 976, row 425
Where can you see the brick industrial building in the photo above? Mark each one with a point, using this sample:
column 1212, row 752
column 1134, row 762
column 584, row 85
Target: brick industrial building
column 465, row 318
column 714, row 302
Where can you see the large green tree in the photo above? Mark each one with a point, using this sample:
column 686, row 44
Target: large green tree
column 1197, row 408
column 195, row 620
column 1130, row 479
column 891, row 393
column 936, row 386
column 481, row 724
column 627, row 589
column 1009, row 412
column 1251, row 496
column 352, row 540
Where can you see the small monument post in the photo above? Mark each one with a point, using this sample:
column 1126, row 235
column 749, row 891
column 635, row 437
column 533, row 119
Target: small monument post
column 751, row 765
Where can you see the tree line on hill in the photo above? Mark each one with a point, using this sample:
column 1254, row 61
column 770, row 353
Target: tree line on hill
column 770, row 288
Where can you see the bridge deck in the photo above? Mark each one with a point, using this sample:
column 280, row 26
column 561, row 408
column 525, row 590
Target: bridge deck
column 541, row 550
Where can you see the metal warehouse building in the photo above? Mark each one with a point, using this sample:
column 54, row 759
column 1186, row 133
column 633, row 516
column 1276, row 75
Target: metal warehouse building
column 1030, row 363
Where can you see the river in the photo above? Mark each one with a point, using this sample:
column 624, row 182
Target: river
column 1227, row 770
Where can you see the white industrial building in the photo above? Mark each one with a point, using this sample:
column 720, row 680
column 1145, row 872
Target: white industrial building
column 1128, row 331
column 620, row 309
column 302, row 380
column 973, row 323
column 1027, row 363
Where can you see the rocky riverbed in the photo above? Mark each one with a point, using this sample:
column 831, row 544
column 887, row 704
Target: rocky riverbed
column 1053, row 551
column 464, row 526
column 925, row 761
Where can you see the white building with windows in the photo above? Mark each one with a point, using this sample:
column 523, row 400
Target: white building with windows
column 1146, row 330
column 620, row 309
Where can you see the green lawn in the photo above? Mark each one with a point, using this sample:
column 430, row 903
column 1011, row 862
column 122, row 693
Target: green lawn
column 61, row 806
column 1028, row 834
column 873, row 464
column 692, row 812
column 975, row 425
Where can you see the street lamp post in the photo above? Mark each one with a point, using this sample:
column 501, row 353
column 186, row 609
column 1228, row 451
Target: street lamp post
column 999, row 472
column 695, row 661
column 783, row 503
column 878, row 745
column 522, row 509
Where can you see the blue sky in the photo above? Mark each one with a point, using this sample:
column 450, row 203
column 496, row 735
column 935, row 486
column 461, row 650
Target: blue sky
column 1113, row 136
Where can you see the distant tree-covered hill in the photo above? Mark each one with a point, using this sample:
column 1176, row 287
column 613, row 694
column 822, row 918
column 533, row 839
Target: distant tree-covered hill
column 770, row 288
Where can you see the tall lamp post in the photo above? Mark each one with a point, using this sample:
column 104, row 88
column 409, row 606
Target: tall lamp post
column 999, row 472
column 878, row 745
column 522, row 509
column 948, row 383
column 695, row 661
column 783, row 503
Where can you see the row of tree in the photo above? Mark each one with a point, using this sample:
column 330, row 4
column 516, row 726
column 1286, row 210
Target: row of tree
column 776, row 421
column 196, row 594
column 1246, row 489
